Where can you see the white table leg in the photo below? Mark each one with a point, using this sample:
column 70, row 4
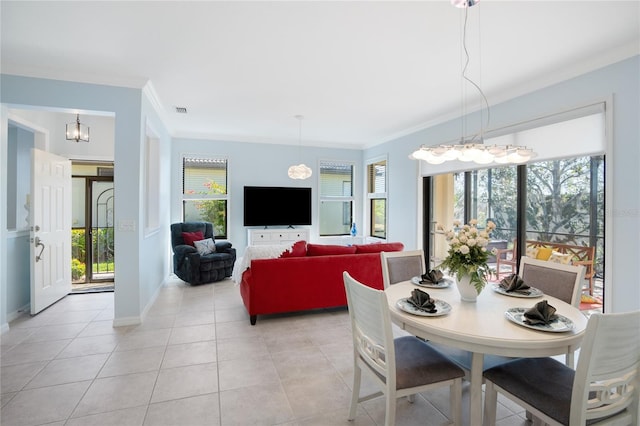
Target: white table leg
column 475, row 397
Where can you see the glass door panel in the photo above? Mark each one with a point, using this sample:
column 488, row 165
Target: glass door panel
column 102, row 247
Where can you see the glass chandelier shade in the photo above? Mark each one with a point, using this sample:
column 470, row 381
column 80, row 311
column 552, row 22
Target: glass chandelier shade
column 474, row 152
column 77, row 131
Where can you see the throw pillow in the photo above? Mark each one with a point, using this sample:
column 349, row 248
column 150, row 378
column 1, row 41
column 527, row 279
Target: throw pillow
column 190, row 237
column 327, row 249
column 532, row 252
column 299, row 249
column 205, row 246
column 378, row 247
column 557, row 257
column 544, row 253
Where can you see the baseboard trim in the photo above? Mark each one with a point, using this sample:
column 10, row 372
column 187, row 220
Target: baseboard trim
column 125, row 321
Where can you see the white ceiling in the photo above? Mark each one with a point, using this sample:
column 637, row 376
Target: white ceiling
column 360, row 72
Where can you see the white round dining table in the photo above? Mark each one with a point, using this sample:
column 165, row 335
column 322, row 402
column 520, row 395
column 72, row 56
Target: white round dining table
column 482, row 327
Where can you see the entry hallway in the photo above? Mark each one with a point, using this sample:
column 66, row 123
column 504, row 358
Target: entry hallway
column 195, row 360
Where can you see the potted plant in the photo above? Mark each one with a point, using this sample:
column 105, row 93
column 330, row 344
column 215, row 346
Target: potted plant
column 467, row 256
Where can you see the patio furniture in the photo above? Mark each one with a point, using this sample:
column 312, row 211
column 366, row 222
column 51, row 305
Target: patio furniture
column 506, row 257
column 398, row 367
column 603, row 390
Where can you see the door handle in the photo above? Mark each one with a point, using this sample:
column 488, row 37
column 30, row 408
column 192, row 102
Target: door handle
column 39, row 243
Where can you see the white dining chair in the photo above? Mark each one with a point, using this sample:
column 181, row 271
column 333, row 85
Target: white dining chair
column 399, row 367
column 560, row 281
column 398, row 266
column 603, row 390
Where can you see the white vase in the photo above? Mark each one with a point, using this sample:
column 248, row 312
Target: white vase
column 467, row 290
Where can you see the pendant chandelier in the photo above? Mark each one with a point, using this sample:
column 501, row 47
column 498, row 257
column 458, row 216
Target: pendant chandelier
column 77, row 131
column 299, row 171
column 472, row 149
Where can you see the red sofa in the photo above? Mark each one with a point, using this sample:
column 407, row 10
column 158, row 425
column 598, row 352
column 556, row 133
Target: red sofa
column 311, row 278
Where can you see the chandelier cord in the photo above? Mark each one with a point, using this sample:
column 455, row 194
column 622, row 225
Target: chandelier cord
column 464, row 73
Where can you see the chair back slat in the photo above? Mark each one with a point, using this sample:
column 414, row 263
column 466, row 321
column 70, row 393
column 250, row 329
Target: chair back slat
column 607, row 374
column 371, row 325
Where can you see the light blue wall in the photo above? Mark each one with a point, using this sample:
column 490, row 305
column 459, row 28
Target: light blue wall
column 142, row 260
column 131, row 294
column 154, row 258
column 260, row 165
column 621, row 82
column 19, row 144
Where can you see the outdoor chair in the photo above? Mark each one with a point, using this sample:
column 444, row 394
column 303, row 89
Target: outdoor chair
column 398, row 367
column 603, row 390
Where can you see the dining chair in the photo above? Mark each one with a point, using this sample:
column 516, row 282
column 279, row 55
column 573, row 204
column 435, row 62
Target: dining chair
column 603, row 390
column 399, row 367
column 400, row 266
column 561, row 281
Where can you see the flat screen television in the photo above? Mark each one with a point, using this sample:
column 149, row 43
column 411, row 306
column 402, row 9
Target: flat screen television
column 277, row 206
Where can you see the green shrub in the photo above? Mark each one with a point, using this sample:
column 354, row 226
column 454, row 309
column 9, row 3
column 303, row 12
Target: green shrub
column 77, row 269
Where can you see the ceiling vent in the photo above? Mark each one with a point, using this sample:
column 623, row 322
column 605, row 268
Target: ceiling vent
column 181, row 110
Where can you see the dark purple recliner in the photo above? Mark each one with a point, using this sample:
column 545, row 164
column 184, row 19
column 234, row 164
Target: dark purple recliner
column 194, row 268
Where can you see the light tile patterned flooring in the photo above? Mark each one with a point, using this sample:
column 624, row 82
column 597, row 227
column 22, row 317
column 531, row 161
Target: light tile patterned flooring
column 195, row 360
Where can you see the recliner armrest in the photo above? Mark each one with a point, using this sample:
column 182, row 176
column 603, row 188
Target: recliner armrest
column 184, row 249
column 223, row 246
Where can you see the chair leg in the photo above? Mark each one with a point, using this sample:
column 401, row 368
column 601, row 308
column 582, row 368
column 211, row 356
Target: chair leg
column 411, row 398
column 490, row 404
column 390, row 417
column 455, row 402
column 355, row 393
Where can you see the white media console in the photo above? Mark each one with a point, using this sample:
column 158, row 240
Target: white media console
column 257, row 237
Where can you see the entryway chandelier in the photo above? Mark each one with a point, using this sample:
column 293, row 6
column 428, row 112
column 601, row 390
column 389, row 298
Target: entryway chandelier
column 299, row 171
column 77, row 131
column 472, row 149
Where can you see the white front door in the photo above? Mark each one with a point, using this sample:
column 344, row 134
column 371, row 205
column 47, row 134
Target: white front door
column 50, row 229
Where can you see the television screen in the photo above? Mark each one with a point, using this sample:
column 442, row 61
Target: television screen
column 272, row 206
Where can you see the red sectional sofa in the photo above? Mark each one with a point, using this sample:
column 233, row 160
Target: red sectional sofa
column 309, row 279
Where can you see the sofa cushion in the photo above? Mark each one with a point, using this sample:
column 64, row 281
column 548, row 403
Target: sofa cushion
column 557, row 257
column 328, row 249
column 299, row 249
column 190, row 237
column 205, row 246
column 378, row 247
column 544, row 253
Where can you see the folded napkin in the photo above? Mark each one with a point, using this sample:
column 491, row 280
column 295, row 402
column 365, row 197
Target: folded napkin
column 514, row 283
column 422, row 301
column 541, row 313
column 433, row 276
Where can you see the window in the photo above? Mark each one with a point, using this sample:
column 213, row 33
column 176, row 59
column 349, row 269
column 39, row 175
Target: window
column 204, row 192
column 152, row 182
column 336, row 198
column 377, row 195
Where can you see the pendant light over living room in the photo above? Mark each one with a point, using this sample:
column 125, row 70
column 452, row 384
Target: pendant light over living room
column 299, row 171
column 472, row 148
